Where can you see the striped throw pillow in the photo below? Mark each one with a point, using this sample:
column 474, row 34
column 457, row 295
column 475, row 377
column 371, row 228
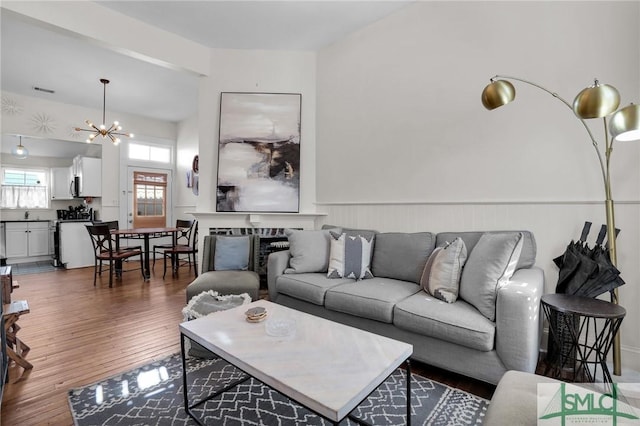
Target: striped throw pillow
column 350, row 256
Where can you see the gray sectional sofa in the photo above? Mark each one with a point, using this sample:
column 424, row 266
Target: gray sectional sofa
column 484, row 333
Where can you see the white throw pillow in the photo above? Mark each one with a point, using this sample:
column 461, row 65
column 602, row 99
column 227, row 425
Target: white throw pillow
column 441, row 275
column 491, row 263
column 349, row 256
column 309, row 250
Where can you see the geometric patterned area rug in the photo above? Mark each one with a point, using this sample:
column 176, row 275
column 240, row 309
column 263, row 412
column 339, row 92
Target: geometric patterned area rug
column 152, row 395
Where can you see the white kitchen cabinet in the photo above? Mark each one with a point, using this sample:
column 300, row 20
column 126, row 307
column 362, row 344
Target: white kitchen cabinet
column 61, row 178
column 27, row 239
column 89, row 170
column 16, row 240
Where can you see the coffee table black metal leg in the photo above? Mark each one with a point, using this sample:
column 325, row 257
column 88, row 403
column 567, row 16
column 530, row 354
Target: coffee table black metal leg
column 187, row 406
column 185, row 390
column 408, row 392
column 147, row 271
column 355, row 419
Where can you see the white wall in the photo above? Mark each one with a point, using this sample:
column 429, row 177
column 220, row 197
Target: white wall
column 185, row 200
column 403, row 142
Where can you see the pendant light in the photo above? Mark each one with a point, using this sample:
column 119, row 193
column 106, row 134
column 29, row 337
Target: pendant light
column 19, row 151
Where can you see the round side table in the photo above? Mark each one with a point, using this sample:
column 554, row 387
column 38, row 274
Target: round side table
column 583, row 328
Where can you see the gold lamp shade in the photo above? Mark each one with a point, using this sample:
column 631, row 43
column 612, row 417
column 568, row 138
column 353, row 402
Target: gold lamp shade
column 498, row 93
column 625, row 124
column 596, row 101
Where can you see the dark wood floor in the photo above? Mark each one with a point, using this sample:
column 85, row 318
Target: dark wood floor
column 80, row 334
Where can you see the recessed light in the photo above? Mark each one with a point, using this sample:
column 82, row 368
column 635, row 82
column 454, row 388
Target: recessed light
column 42, row 89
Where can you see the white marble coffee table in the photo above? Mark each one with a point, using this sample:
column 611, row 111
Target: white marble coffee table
column 327, row 367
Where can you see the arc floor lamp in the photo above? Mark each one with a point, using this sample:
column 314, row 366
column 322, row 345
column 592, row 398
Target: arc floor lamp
column 596, row 101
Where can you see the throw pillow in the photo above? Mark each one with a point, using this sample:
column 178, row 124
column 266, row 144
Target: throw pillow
column 490, row 264
column 349, row 256
column 231, row 253
column 441, row 275
column 309, row 250
column 402, row 255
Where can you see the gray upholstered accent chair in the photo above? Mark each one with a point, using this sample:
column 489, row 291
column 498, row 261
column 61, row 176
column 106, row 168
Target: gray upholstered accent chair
column 226, row 281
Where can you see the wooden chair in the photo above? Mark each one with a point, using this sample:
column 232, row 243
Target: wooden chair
column 105, row 251
column 178, row 251
column 115, row 225
column 182, row 238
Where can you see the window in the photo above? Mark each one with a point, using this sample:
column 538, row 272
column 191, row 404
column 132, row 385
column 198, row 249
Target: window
column 24, row 189
column 150, row 202
column 159, row 154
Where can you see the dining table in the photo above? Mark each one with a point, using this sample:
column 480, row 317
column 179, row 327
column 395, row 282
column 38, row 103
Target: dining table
column 144, row 234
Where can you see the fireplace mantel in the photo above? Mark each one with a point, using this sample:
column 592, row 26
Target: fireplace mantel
column 258, row 220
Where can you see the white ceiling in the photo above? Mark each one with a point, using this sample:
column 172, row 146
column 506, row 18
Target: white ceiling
column 35, row 56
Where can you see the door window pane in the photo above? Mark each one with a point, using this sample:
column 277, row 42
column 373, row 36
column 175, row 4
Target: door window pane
column 150, row 202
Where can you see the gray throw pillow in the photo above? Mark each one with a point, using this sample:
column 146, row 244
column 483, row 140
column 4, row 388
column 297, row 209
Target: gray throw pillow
column 309, row 250
column 490, row 264
column 231, row 253
column 441, row 275
column 350, row 256
column 401, row 255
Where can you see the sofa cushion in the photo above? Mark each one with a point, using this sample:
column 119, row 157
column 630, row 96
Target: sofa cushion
column 441, row 275
column 232, row 253
column 491, row 263
column 527, row 256
column 226, row 282
column 457, row 322
column 350, row 256
column 308, row 287
column 373, row 299
column 401, row 255
column 309, row 251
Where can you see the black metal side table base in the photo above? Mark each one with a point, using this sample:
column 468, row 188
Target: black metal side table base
column 591, row 326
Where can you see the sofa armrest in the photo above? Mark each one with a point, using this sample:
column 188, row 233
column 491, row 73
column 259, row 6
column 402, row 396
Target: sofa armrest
column 276, row 264
column 518, row 320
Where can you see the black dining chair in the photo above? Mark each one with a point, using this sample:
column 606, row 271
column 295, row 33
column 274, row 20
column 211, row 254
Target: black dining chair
column 115, row 225
column 176, row 254
column 105, row 251
column 182, row 237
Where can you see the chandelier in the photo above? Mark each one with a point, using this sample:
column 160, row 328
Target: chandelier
column 113, row 132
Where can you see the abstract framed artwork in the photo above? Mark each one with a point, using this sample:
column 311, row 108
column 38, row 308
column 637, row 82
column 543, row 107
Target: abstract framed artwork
column 259, row 152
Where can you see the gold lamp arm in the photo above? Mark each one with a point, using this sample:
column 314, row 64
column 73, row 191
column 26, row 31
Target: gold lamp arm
column 504, row 93
column 605, row 172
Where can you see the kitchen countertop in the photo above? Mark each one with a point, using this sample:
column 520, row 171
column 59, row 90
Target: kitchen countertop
column 25, row 220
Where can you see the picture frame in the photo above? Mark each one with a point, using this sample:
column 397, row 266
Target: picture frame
column 259, row 152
